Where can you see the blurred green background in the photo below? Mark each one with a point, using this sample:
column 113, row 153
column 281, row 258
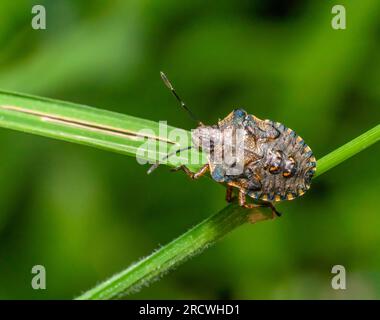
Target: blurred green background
column 85, row 214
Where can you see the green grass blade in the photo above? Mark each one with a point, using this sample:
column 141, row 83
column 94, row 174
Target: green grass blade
column 348, row 150
column 86, row 125
column 157, row 264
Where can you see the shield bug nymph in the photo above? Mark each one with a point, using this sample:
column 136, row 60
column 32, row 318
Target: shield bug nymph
column 266, row 160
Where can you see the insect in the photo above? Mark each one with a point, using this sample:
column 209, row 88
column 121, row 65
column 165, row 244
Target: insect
column 273, row 164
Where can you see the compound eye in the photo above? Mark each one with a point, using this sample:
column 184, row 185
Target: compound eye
column 290, row 168
column 275, row 163
column 240, row 113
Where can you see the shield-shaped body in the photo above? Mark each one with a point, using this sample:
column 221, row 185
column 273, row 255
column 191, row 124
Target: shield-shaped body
column 262, row 158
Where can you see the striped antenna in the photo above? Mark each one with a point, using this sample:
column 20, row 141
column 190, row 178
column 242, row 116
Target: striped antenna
column 182, row 103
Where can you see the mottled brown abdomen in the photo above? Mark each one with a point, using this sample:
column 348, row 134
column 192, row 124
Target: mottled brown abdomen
column 286, row 167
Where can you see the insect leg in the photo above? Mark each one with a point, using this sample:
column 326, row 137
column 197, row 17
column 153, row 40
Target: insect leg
column 155, row 166
column 193, row 175
column 243, row 203
column 229, row 196
column 272, row 207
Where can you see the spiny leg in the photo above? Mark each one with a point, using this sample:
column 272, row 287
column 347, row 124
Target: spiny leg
column 193, row 175
column 257, row 216
column 243, row 203
column 155, row 166
column 229, row 195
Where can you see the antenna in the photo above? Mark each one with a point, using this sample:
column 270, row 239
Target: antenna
column 155, row 166
column 183, row 104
